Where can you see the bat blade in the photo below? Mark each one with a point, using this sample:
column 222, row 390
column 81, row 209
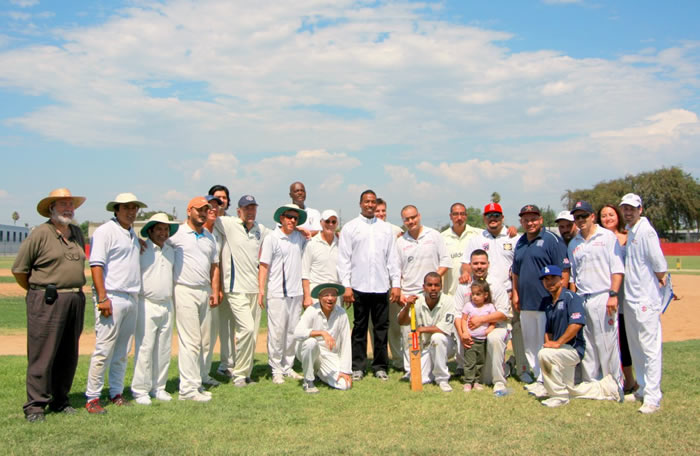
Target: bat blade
column 416, row 375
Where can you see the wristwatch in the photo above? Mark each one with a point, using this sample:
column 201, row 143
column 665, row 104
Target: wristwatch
column 612, row 293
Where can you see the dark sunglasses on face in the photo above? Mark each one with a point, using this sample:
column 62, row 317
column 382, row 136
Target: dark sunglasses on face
column 581, row 216
column 493, row 215
column 291, row 216
column 330, row 222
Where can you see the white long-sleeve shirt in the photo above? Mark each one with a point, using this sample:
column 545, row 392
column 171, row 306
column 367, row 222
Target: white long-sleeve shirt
column 337, row 325
column 367, row 259
column 593, row 261
column 418, row 257
column 644, row 259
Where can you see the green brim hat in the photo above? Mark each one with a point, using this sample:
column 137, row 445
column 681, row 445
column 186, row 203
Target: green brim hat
column 160, row 217
column 319, row 288
column 291, row 207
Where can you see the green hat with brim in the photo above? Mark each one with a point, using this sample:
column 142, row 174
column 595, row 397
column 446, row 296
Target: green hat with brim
column 160, row 217
column 319, row 288
column 291, row 207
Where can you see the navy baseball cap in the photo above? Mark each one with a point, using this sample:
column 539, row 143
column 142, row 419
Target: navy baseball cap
column 247, row 200
column 529, row 209
column 214, row 198
column 583, row 206
column 550, row 270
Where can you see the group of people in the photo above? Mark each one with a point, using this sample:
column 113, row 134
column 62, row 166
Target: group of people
column 472, row 291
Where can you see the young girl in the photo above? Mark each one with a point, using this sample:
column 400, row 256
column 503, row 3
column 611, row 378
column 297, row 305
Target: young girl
column 474, row 356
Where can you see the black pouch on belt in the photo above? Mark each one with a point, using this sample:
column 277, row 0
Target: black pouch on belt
column 50, row 294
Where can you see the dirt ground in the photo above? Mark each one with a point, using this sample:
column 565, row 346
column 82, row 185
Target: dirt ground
column 680, row 322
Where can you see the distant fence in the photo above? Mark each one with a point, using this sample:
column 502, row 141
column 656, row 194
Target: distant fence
column 681, row 248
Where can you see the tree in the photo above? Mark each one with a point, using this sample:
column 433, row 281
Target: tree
column 84, row 227
column 495, row 197
column 670, row 197
column 145, row 215
column 549, row 216
column 15, row 217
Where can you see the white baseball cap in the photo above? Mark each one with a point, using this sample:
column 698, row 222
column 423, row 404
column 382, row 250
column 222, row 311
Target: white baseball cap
column 564, row 215
column 631, row 200
column 328, row 213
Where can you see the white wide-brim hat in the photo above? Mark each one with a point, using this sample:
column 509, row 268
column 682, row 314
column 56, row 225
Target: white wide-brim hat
column 124, row 198
column 160, row 217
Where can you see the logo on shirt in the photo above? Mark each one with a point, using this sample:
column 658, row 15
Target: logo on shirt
column 257, row 235
column 540, row 243
column 485, row 246
column 449, row 318
column 611, row 322
column 410, row 259
column 566, row 261
column 576, row 315
column 508, row 246
column 644, row 308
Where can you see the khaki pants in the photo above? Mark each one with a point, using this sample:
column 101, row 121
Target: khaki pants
column 193, row 319
column 245, row 321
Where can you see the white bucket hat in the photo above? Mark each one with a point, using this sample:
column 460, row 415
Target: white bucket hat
column 124, row 198
column 160, row 217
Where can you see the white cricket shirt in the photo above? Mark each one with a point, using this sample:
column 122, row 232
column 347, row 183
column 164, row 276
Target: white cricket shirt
column 417, row 257
column 239, row 254
column 117, row 251
column 455, row 248
column 282, row 254
column 313, row 220
column 337, row 325
column 501, row 251
column 319, row 263
column 594, row 260
column 441, row 316
column 157, row 267
column 194, row 255
column 644, row 258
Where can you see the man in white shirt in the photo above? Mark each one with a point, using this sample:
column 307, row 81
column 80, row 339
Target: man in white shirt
column 319, row 264
column 312, row 225
column 645, row 274
column 420, row 250
column 596, row 272
column 196, row 291
column 242, row 238
column 456, row 238
column 368, row 267
column 116, row 278
column 323, row 336
column 280, row 270
column 434, row 322
column 380, row 213
column 154, row 325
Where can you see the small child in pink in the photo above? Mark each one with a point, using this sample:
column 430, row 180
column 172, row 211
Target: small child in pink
column 474, row 356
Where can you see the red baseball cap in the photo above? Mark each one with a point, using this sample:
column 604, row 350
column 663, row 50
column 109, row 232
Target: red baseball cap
column 493, row 207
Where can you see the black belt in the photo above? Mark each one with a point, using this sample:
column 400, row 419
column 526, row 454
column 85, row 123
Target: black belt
column 60, row 290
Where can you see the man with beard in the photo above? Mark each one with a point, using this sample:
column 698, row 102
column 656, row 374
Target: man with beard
column 567, row 227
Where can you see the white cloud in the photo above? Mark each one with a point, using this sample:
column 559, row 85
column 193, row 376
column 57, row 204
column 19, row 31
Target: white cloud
column 174, row 195
column 24, row 3
column 19, row 16
column 305, row 159
column 4, row 194
column 217, row 164
column 332, row 183
column 661, row 128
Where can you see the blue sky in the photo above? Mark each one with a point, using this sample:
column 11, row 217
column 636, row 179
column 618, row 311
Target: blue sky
column 428, row 103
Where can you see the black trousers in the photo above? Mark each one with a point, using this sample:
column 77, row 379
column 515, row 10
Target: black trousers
column 366, row 306
column 53, row 332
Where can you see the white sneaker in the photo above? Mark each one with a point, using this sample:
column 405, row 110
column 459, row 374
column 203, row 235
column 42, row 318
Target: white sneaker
column 195, row 396
column 240, row 382
column 539, row 391
column 310, row 387
column 648, row 409
column 162, row 395
column 292, row 374
column 143, row 400
column 555, row 402
column 498, row 387
column 445, row 387
column 201, row 390
column 278, row 379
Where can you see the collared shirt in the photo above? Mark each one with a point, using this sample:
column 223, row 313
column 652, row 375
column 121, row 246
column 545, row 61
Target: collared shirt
column 157, row 265
column 470, row 310
column 501, row 251
column 49, row 258
column 418, row 257
column 367, row 259
column 644, row 258
column 117, row 251
column 337, row 325
column 282, row 253
column 395, row 229
column 442, row 315
column 319, row 263
column 593, row 261
column 455, row 248
column 195, row 253
column 499, row 298
column 566, row 311
column 239, row 254
column 313, row 220
column 530, row 257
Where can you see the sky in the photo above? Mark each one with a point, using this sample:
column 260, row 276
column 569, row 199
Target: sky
column 427, row 103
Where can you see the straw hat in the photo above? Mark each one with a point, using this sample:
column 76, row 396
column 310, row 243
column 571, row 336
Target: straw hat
column 43, row 206
column 124, row 198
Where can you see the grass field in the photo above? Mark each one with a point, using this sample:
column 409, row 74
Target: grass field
column 372, row 418
column 687, row 262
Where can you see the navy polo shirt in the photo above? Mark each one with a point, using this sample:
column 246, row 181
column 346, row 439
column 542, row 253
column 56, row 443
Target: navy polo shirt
column 567, row 310
column 530, row 257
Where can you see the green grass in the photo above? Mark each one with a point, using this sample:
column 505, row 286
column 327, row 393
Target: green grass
column 373, row 418
column 14, row 314
column 687, row 262
column 6, row 261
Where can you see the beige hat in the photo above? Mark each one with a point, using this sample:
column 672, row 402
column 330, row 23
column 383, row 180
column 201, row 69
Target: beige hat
column 43, row 206
column 160, row 217
column 124, row 198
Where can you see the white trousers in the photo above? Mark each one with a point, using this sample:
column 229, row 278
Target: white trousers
column 227, row 350
column 112, row 343
column 533, row 325
column 558, row 366
column 193, row 319
column 602, row 356
column 245, row 321
column 318, row 361
column 496, row 344
column 433, row 357
column 154, row 334
column 208, row 354
column 282, row 317
column 643, row 327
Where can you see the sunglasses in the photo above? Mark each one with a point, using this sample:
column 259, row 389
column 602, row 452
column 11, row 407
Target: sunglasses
column 493, row 215
column 330, row 222
column 291, row 216
column 581, row 216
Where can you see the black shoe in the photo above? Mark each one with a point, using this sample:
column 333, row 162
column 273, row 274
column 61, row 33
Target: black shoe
column 35, row 417
column 66, row 409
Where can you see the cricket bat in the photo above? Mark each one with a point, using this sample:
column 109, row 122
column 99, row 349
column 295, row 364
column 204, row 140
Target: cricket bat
column 416, row 376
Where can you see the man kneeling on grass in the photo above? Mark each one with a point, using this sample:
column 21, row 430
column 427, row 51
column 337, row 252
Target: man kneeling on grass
column 564, row 347
column 323, row 336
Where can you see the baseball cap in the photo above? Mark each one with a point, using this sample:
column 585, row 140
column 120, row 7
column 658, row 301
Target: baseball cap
column 564, row 215
column 247, row 200
column 328, row 213
column 493, row 207
column 529, row 209
column 197, row 202
column 631, row 200
column 214, row 198
column 583, row 206
column 550, row 270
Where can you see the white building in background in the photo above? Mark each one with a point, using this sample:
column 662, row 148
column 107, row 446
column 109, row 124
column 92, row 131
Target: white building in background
column 11, row 236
